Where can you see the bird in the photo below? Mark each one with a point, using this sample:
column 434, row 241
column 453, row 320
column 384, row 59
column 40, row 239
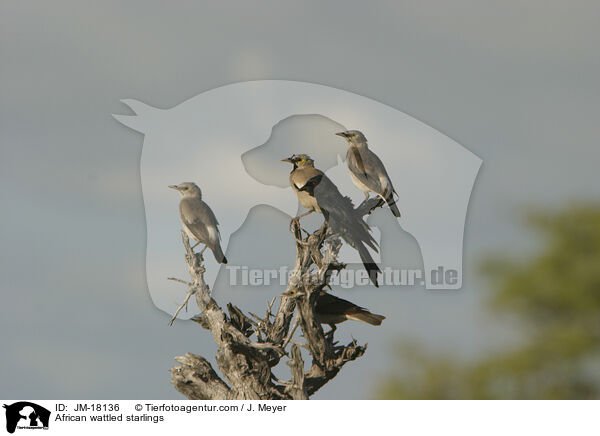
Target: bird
column 199, row 221
column 333, row 310
column 318, row 193
column 367, row 171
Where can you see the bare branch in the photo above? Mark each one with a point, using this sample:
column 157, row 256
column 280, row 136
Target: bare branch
column 296, row 387
column 248, row 349
column 190, row 292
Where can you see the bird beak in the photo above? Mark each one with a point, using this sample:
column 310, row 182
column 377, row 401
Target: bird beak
column 174, row 187
column 287, row 159
column 342, row 134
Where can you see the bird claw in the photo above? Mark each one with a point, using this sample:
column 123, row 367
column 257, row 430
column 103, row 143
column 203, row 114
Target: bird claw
column 294, row 223
column 297, row 230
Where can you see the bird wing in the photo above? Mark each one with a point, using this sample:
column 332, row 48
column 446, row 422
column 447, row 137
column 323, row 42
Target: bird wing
column 339, row 213
column 306, row 178
column 368, row 168
column 374, row 164
column 341, row 217
column 330, row 307
column 328, row 304
column 355, row 163
column 200, row 220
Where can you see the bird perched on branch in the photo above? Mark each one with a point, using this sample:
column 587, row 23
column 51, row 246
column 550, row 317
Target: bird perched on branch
column 333, row 310
column 199, row 221
column 317, row 193
column 367, row 171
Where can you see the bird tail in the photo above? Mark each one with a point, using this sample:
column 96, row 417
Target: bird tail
column 368, row 317
column 391, row 202
column 355, row 232
column 369, row 263
column 394, row 208
column 219, row 256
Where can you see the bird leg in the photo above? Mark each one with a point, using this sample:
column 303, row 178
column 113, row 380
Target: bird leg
column 297, row 221
column 382, row 200
column 329, row 334
column 198, row 243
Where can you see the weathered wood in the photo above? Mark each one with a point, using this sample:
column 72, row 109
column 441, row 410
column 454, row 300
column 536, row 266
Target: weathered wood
column 248, row 349
column 297, row 389
column 196, row 379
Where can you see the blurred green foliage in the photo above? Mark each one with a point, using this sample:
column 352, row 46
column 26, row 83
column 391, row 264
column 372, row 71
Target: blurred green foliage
column 555, row 299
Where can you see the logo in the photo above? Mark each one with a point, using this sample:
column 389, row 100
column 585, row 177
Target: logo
column 230, row 142
column 26, row 415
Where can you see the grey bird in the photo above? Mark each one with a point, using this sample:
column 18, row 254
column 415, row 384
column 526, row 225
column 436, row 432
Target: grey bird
column 367, row 171
column 317, row 193
column 199, row 221
column 333, row 310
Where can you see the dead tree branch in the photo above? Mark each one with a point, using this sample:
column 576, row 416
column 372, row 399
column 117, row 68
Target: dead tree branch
column 248, row 349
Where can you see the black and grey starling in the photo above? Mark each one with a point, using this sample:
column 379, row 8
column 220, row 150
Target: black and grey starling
column 333, row 310
column 367, row 170
column 199, row 221
column 317, row 193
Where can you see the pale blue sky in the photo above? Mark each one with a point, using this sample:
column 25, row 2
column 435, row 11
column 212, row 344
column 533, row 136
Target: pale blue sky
column 514, row 82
